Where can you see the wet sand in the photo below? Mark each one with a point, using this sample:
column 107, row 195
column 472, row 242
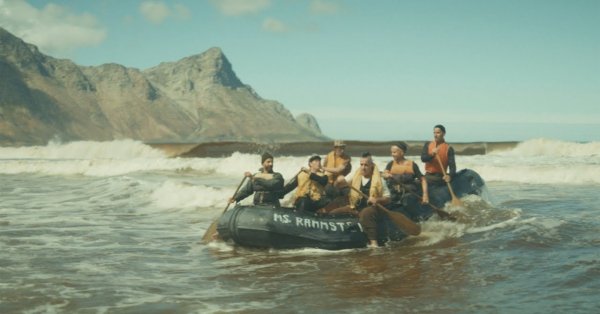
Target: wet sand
column 353, row 148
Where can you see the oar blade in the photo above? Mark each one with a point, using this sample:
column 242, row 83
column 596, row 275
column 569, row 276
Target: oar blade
column 402, row 222
column 457, row 202
column 207, row 237
column 406, row 225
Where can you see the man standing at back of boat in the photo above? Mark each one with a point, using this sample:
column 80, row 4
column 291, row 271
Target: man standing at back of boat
column 438, row 148
column 337, row 163
column 266, row 185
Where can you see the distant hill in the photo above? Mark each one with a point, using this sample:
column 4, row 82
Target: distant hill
column 196, row 99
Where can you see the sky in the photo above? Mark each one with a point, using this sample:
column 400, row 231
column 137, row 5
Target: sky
column 495, row 70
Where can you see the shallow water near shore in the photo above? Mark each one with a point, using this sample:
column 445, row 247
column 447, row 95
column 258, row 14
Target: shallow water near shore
column 115, row 227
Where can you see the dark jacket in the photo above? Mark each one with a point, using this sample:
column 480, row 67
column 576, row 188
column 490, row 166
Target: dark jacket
column 267, row 189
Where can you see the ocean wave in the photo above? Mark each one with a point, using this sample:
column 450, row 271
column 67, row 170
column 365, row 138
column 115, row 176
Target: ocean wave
column 178, row 196
column 96, row 167
column 552, row 148
column 539, row 161
column 118, row 149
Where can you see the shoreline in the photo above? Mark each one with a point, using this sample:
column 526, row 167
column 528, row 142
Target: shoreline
column 353, row 148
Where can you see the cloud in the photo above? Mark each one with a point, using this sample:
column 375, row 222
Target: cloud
column 182, row 12
column 157, row 11
column 324, row 7
column 54, row 29
column 240, row 7
column 274, row 25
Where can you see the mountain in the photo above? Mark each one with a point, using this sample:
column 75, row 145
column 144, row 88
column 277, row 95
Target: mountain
column 309, row 122
column 196, row 99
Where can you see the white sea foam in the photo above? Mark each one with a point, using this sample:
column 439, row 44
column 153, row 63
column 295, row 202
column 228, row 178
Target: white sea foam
column 503, row 224
column 118, row 149
column 537, row 170
column 311, row 251
column 48, row 308
column 436, row 231
column 180, row 196
column 538, row 161
column 552, row 148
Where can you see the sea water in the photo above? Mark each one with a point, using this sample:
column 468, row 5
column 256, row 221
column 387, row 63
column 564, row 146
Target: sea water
column 115, row 227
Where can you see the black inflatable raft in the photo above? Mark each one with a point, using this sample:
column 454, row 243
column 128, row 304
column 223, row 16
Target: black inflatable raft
column 285, row 228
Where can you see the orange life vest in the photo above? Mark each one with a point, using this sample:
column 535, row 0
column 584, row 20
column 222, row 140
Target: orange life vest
column 433, row 166
column 397, row 168
column 308, row 187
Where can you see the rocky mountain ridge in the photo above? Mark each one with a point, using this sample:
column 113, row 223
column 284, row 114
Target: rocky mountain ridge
column 196, row 99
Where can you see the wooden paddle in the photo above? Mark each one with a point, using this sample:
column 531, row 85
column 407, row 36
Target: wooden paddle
column 401, row 221
column 207, row 237
column 442, row 213
column 455, row 200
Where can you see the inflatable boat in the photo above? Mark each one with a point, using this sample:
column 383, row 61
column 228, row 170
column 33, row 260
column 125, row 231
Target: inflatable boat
column 264, row 226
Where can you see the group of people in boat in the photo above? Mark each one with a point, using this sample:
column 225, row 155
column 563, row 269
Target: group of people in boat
column 322, row 188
